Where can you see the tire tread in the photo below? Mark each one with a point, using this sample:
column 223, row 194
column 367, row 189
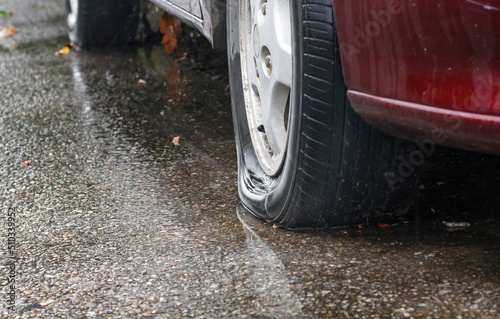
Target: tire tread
column 332, row 133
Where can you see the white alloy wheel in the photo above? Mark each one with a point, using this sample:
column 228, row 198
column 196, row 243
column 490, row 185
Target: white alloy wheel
column 71, row 18
column 266, row 63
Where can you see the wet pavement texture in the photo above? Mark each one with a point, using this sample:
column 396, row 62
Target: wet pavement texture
column 113, row 220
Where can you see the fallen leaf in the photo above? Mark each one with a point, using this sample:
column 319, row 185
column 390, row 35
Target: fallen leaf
column 6, row 14
column 360, row 226
column 382, row 225
column 26, row 163
column 177, row 141
column 105, row 189
column 170, row 28
column 63, row 51
column 8, row 31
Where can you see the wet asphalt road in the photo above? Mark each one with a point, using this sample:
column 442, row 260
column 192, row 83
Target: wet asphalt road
column 115, row 221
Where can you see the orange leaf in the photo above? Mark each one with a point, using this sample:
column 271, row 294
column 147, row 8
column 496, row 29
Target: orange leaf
column 382, row 225
column 177, row 141
column 8, row 31
column 170, row 28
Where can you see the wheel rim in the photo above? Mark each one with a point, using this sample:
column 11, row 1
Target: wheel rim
column 71, row 18
column 266, row 65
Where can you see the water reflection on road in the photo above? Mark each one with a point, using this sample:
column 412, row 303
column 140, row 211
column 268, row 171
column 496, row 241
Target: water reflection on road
column 266, row 276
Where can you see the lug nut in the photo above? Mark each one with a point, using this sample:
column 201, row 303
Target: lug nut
column 268, row 62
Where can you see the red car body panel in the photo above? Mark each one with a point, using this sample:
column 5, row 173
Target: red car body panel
column 410, row 66
column 430, row 125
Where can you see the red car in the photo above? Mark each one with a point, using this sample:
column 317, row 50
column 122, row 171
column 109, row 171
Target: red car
column 336, row 103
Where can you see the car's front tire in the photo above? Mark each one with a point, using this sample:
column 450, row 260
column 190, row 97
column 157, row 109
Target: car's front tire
column 93, row 23
column 305, row 158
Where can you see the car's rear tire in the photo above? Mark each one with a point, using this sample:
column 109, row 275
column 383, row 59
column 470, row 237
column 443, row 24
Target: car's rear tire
column 94, row 23
column 305, row 158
